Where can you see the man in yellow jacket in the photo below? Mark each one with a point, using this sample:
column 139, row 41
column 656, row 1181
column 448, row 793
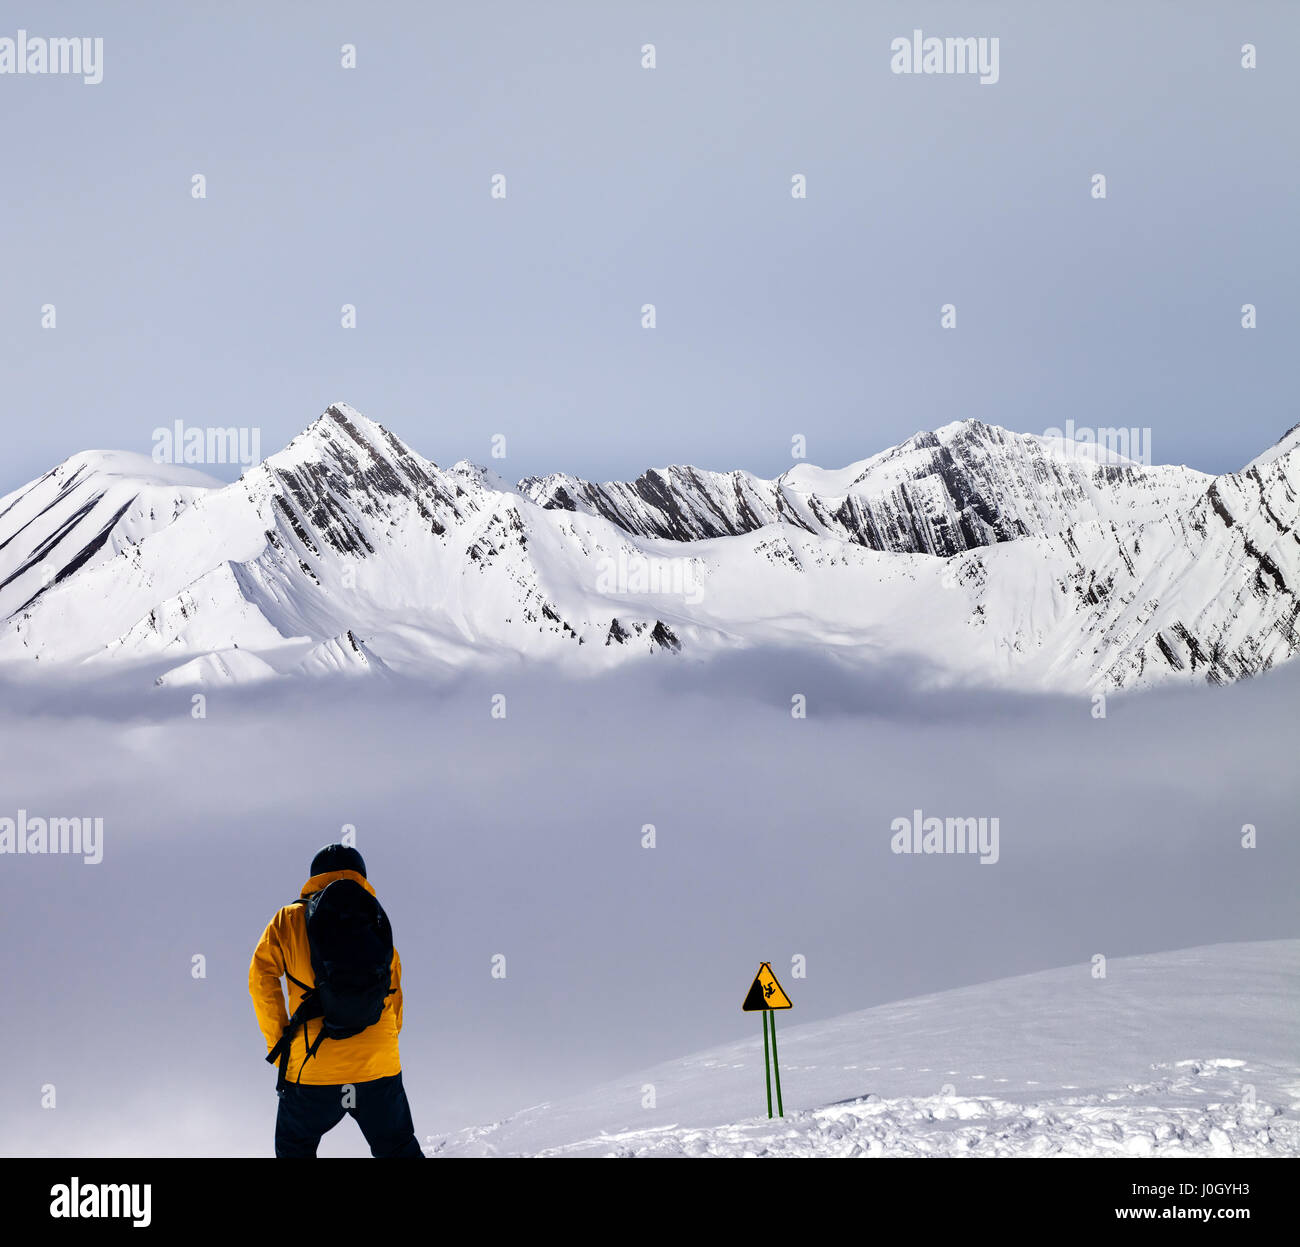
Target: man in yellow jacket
column 325, row 1077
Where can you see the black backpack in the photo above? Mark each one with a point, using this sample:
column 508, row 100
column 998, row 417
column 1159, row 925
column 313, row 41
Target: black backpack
column 351, row 945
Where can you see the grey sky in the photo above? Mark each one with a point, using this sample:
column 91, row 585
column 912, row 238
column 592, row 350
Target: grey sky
column 670, row 186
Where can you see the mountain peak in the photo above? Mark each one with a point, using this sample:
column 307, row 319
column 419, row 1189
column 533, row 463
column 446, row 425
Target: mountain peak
column 1289, row 441
column 347, row 441
column 340, row 418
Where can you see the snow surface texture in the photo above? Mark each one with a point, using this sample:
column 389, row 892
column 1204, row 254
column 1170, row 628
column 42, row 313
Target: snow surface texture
column 1190, row 1053
column 978, row 556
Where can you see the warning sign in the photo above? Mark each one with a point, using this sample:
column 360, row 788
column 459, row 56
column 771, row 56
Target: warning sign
column 765, row 992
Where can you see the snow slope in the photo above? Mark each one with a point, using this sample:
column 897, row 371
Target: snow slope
column 973, row 554
column 1189, row 1053
column 83, row 513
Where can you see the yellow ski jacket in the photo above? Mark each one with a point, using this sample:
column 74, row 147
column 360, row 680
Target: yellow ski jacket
column 283, row 950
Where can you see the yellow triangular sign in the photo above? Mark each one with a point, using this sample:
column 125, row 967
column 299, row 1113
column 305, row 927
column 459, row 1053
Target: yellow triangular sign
column 765, row 992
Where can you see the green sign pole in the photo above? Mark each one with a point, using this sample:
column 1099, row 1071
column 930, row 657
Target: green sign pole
column 766, row 994
column 776, row 1066
column 767, row 1068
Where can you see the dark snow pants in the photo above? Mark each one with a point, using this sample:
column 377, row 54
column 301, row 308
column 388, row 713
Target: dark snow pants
column 379, row 1106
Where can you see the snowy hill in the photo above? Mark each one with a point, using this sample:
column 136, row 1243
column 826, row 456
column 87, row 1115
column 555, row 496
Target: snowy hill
column 973, row 554
column 1190, row 1053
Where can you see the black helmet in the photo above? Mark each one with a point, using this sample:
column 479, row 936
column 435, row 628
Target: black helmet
column 338, row 857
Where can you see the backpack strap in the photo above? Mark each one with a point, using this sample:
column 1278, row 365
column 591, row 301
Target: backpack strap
column 310, row 1008
column 311, row 1051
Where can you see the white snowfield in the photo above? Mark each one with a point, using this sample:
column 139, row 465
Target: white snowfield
column 1179, row 1054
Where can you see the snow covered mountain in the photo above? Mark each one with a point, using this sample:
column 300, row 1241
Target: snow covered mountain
column 1145, row 1062
column 82, row 513
column 979, row 555
column 965, row 485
